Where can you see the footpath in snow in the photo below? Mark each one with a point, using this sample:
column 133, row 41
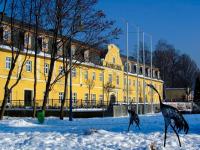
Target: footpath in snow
column 95, row 134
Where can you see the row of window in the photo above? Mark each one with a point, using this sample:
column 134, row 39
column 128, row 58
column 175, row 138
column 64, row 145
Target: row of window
column 28, row 65
column 86, row 97
column 133, row 69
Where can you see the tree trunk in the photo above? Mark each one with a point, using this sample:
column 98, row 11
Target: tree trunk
column 46, row 94
column 64, row 97
column 3, row 106
column 35, row 69
column 89, row 96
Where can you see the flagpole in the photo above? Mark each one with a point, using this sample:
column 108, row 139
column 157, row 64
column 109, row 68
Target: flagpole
column 127, row 66
column 144, row 98
column 137, row 68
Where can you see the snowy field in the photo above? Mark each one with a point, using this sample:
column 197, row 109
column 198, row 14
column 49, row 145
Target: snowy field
column 94, row 134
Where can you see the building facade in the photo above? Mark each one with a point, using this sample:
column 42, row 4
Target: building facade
column 102, row 68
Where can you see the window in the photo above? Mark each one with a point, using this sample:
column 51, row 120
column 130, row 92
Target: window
column 139, row 84
column 74, row 72
column 110, row 78
column 61, row 96
column 117, row 80
column 86, row 96
column 134, row 99
column 44, row 43
column 113, row 60
column 28, row 66
column 93, row 102
column 61, row 71
column 125, row 81
column 86, row 75
column 93, row 76
column 59, row 45
column 8, row 62
column 101, row 99
column 27, row 39
column 129, row 82
column 73, row 49
column 101, row 77
column 6, row 35
column 134, row 83
column 46, row 68
column 9, row 98
column 74, row 97
column 124, row 98
column 86, row 55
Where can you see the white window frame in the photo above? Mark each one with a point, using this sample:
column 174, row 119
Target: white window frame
column 110, row 78
column 101, row 76
column 113, row 60
column 86, row 96
column 93, row 99
column 125, row 80
column 86, row 75
column 28, row 66
column 27, row 39
column 61, row 96
column 74, row 97
column 93, row 76
column 8, row 62
column 117, row 80
column 44, row 43
column 6, row 35
column 86, row 99
column 74, row 72
column 101, row 99
column 61, row 71
column 129, row 82
column 46, row 68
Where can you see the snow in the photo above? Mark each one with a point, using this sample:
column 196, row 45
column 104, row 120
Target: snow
column 94, row 134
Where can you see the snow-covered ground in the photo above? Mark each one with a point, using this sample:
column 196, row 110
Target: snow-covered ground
column 94, row 134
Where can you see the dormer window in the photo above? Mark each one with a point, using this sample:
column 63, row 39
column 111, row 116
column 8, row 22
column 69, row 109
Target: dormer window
column 153, row 73
column 73, row 49
column 86, row 55
column 7, row 34
column 45, row 43
column 59, row 45
column 27, row 39
column 39, row 43
column 140, row 70
column 1, row 33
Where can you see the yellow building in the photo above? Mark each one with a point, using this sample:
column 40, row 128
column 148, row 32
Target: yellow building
column 110, row 68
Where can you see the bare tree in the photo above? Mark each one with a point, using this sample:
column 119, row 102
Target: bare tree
column 3, row 5
column 187, row 71
column 37, row 15
column 90, row 85
column 17, row 49
column 177, row 70
column 76, row 20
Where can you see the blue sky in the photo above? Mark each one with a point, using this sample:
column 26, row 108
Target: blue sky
column 176, row 21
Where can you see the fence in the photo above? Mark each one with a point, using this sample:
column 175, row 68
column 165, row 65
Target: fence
column 56, row 103
column 181, row 106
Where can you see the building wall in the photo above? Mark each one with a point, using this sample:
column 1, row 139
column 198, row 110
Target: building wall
column 112, row 66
